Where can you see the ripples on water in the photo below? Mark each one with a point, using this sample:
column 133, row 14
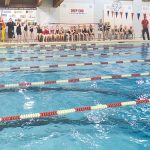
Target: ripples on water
column 125, row 128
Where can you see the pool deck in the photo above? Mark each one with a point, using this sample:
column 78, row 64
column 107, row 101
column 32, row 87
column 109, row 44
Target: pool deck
column 135, row 41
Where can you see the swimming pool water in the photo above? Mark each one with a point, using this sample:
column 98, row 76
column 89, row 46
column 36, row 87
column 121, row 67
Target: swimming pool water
column 125, row 128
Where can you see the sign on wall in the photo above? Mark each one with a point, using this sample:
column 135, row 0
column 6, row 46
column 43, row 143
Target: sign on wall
column 15, row 14
column 77, row 13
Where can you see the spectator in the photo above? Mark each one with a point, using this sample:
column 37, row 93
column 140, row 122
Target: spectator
column 80, row 34
column 52, row 33
column 39, row 33
column 18, row 31
column 145, row 24
column 104, row 30
column 100, row 29
column 57, row 33
column 0, row 28
column 62, row 34
column 108, row 28
column 120, row 31
column 75, row 34
column 125, row 32
column 11, row 25
column 25, row 31
column 91, row 32
column 67, row 35
column 116, row 32
column 3, row 31
column 31, row 29
column 85, row 32
column 130, row 32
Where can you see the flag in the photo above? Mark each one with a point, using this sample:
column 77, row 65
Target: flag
column 126, row 15
column 121, row 13
column 138, row 16
column 108, row 13
column 132, row 15
column 112, row 13
column 116, row 14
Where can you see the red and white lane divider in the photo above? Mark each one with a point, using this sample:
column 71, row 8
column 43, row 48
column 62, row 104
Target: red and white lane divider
column 73, row 110
column 72, row 55
column 49, row 45
column 68, row 81
column 42, row 45
column 52, row 50
column 54, row 45
column 71, row 65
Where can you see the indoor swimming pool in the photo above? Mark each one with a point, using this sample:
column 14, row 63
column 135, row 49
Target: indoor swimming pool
column 36, row 79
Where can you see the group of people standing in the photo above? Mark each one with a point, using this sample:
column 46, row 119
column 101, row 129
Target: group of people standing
column 25, row 31
column 105, row 31
column 20, row 29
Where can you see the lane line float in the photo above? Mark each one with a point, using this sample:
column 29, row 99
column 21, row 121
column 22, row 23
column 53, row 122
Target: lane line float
column 73, row 110
column 15, row 69
column 51, row 50
column 49, row 45
column 69, row 45
column 69, row 81
column 72, row 55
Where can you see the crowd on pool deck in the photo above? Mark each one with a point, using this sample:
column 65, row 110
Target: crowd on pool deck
column 83, row 32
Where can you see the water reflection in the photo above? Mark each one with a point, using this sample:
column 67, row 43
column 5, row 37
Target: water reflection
column 144, row 50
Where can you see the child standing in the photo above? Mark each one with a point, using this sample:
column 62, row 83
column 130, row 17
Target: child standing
column 3, row 31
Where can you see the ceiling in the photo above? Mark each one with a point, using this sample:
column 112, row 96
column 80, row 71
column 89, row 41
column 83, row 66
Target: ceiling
column 18, row 3
column 26, row 3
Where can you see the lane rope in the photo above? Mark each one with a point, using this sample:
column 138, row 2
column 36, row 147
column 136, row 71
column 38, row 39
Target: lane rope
column 117, row 45
column 54, row 46
column 74, row 80
column 73, row 110
column 52, row 50
column 50, row 45
column 15, row 69
column 72, row 55
column 57, row 48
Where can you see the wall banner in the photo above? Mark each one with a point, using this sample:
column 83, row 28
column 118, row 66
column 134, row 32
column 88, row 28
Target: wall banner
column 77, row 13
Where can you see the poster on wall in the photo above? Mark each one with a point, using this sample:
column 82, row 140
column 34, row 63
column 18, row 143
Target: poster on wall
column 77, row 13
column 22, row 14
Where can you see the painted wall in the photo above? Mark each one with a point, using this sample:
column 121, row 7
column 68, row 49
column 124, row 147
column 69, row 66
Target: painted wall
column 47, row 14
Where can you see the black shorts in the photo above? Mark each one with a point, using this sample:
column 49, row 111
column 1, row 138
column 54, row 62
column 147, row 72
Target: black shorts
column 19, row 32
column 31, row 30
column 10, row 35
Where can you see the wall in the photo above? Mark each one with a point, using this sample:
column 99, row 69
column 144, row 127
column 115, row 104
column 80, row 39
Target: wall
column 47, row 14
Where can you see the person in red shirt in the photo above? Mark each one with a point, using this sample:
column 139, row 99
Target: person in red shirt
column 145, row 25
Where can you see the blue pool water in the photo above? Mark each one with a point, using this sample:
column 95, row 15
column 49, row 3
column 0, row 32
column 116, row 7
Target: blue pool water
column 126, row 128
